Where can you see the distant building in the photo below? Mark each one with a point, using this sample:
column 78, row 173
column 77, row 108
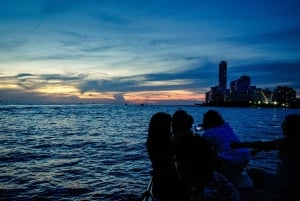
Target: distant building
column 217, row 93
column 261, row 96
column 241, row 93
column 241, row 84
column 240, row 89
column 284, row 95
column 223, row 75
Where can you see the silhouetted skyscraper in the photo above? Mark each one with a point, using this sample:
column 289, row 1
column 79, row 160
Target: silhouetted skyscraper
column 241, row 84
column 223, row 75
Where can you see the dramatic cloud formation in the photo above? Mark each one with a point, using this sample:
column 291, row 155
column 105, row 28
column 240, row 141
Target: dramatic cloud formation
column 167, row 52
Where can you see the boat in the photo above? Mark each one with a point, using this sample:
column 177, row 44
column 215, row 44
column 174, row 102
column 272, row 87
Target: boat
column 147, row 195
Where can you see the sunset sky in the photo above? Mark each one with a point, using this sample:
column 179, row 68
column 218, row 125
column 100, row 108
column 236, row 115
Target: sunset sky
column 135, row 51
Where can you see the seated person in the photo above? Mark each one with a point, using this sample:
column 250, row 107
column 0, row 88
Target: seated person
column 182, row 124
column 194, row 160
column 166, row 186
column 231, row 162
column 285, row 183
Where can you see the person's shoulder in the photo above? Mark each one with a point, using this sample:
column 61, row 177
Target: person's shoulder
column 226, row 126
column 211, row 133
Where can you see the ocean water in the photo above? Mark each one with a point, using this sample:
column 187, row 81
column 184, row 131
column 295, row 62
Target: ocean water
column 97, row 152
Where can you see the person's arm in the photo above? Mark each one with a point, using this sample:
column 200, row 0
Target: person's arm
column 254, row 152
column 260, row 145
column 254, row 145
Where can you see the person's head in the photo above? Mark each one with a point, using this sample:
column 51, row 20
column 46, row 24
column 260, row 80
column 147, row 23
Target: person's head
column 291, row 125
column 158, row 141
column 212, row 118
column 159, row 129
column 194, row 160
column 181, row 121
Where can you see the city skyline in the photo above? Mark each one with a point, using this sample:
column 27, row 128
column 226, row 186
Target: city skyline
column 158, row 52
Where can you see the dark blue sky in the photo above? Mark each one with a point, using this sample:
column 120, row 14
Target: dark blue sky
column 66, row 51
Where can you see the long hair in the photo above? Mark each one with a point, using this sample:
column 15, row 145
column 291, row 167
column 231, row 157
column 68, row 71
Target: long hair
column 158, row 140
column 181, row 121
column 212, row 118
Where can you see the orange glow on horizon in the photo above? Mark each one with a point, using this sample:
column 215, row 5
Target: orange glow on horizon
column 157, row 96
column 95, row 96
column 60, row 93
column 4, row 85
column 58, row 90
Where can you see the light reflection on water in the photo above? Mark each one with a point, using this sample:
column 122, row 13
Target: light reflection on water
column 97, row 152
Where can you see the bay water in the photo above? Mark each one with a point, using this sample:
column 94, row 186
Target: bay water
column 97, row 152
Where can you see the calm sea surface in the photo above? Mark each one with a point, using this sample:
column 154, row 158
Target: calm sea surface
column 97, row 152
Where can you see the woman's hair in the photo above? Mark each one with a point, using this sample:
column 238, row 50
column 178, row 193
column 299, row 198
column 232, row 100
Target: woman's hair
column 211, row 119
column 181, row 121
column 158, row 140
column 159, row 122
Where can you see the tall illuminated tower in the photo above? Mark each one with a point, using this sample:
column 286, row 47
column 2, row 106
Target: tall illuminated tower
column 223, row 75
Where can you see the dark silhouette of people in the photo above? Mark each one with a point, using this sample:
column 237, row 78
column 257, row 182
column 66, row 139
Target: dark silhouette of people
column 166, row 186
column 194, row 161
column 232, row 163
column 285, row 183
column 182, row 124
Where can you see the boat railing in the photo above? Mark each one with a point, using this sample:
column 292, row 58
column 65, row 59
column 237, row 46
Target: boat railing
column 148, row 193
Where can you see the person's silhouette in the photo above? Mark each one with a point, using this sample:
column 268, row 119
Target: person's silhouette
column 220, row 135
column 285, row 183
column 194, row 161
column 166, row 186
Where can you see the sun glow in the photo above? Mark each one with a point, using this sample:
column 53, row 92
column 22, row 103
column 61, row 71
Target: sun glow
column 4, row 85
column 157, row 96
column 96, row 95
column 58, row 90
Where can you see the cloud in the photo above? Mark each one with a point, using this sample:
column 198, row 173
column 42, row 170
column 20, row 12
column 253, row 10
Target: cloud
column 61, row 77
column 289, row 37
column 117, row 47
column 110, row 85
column 30, row 81
column 8, row 44
column 55, row 7
column 119, row 98
column 21, row 75
column 187, row 79
column 16, row 96
column 270, row 74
